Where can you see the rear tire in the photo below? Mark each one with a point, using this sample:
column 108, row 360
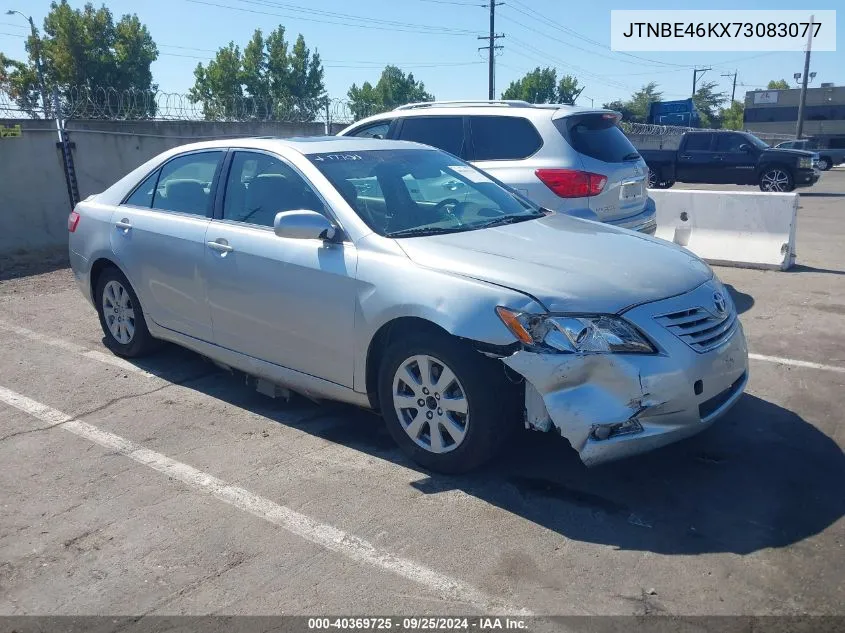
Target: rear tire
column 776, row 179
column 432, row 383
column 121, row 316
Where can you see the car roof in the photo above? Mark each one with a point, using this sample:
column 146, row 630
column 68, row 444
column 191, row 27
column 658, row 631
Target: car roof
column 534, row 111
column 303, row 144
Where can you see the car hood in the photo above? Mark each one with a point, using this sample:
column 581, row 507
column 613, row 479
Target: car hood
column 781, row 151
column 568, row 264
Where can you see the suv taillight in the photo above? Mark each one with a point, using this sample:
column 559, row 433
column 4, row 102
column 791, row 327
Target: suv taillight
column 72, row 221
column 572, row 183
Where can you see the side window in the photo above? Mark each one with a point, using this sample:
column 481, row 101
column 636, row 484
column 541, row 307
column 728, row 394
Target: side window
column 260, row 185
column 185, row 183
column 729, row 143
column 143, row 195
column 698, row 143
column 503, row 138
column 377, row 130
column 442, row 132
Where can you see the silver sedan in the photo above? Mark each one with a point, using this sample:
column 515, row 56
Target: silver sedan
column 355, row 270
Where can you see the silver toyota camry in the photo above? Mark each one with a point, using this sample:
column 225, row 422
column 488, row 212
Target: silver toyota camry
column 356, row 270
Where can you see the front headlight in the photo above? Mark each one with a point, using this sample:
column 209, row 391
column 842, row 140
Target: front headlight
column 576, row 333
column 805, row 163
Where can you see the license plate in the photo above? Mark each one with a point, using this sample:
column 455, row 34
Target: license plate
column 631, row 190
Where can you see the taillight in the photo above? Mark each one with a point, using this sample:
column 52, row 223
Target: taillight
column 572, row 183
column 72, row 221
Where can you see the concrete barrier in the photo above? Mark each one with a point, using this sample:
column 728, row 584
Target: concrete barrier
column 744, row 229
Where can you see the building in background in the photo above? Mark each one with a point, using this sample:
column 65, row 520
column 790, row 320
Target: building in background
column 776, row 112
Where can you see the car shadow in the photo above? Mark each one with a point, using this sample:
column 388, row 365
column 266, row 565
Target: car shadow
column 800, row 268
column 743, row 302
column 822, row 194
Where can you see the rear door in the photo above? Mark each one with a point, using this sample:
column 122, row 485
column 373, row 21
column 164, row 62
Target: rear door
column 695, row 162
column 606, row 151
column 501, row 146
column 159, row 240
column 732, row 164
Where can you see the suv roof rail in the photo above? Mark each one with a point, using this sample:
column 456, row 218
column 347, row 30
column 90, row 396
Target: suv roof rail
column 513, row 103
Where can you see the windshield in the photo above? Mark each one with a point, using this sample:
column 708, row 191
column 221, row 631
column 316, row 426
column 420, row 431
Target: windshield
column 413, row 192
column 756, row 141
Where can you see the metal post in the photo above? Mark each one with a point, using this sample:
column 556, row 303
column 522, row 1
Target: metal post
column 799, row 129
column 67, row 156
column 36, row 43
column 733, row 89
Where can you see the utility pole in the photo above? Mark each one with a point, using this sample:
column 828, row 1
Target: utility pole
column 799, row 129
column 733, row 89
column 491, row 49
column 36, row 43
column 695, row 72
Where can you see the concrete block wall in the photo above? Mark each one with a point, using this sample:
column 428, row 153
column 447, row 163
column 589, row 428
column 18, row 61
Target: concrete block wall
column 34, row 203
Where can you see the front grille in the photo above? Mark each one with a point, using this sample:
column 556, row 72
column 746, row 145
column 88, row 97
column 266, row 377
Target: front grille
column 709, row 407
column 700, row 329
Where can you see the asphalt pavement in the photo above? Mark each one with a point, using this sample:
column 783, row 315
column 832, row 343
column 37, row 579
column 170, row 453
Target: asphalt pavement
column 168, row 486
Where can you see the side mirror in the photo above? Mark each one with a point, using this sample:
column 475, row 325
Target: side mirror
column 745, row 147
column 303, row 225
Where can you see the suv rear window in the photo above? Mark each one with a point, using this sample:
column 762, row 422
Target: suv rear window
column 598, row 137
column 503, row 137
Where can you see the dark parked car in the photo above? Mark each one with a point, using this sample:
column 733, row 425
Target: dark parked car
column 828, row 156
column 728, row 157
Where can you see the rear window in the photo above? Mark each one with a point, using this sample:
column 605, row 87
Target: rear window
column 599, row 138
column 503, row 138
column 698, row 142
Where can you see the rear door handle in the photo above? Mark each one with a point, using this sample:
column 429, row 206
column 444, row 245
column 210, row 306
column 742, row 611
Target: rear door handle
column 221, row 246
column 685, row 156
column 123, row 224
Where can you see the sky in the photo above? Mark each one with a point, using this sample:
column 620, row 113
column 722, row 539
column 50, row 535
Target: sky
column 437, row 41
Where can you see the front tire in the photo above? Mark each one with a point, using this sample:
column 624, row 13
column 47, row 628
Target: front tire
column 825, row 163
column 121, row 316
column 776, row 179
column 449, row 408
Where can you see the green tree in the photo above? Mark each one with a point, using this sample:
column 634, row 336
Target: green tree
column 708, row 102
column 568, row 89
column 87, row 56
column 394, row 88
column 536, row 86
column 636, row 108
column 732, row 116
column 778, row 84
column 269, row 80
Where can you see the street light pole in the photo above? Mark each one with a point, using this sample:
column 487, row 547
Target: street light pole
column 36, row 42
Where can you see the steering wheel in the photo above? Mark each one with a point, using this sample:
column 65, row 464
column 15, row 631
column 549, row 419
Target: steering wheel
column 444, row 203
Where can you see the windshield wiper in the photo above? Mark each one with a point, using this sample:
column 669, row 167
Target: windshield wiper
column 631, row 156
column 508, row 219
column 425, row 230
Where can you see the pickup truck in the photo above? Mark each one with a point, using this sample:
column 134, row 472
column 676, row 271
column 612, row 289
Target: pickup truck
column 731, row 157
column 828, row 156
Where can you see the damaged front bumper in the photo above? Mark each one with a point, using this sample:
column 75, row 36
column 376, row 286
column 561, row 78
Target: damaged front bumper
column 610, row 406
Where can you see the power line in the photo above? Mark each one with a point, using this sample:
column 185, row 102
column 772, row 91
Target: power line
column 531, row 13
column 347, row 24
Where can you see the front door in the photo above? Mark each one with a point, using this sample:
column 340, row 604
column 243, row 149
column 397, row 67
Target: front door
column 287, row 301
column 159, row 239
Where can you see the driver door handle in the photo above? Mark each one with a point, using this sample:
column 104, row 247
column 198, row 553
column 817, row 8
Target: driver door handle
column 221, row 246
column 123, row 224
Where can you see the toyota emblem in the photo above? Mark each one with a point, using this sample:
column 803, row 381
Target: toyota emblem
column 719, row 302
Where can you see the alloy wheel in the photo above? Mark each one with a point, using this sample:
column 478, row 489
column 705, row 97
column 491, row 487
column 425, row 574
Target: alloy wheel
column 823, row 164
column 775, row 180
column 118, row 312
column 431, row 403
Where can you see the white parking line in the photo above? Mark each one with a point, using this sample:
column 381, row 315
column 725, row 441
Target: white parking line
column 103, row 357
column 327, row 536
column 796, row 363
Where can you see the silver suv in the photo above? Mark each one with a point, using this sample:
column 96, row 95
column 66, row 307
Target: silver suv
column 564, row 158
